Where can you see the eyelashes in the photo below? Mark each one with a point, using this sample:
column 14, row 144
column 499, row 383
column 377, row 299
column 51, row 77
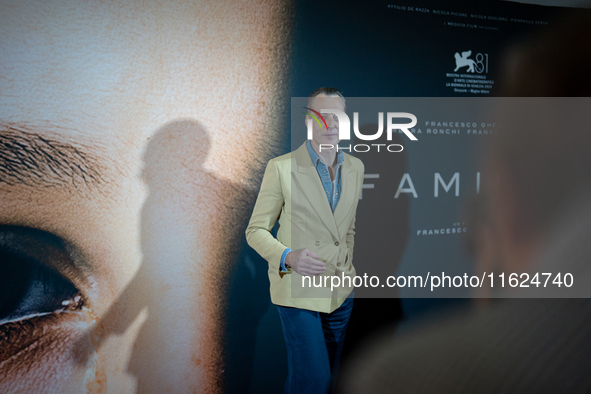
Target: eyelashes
column 44, row 322
column 35, row 274
column 29, row 288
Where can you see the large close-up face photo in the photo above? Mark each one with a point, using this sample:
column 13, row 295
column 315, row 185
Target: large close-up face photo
column 150, row 241
column 121, row 164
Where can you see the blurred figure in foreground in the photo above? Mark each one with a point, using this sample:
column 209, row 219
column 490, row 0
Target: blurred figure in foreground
column 539, row 204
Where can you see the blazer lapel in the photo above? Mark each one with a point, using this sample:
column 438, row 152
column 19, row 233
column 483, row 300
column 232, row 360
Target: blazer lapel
column 308, row 183
column 348, row 194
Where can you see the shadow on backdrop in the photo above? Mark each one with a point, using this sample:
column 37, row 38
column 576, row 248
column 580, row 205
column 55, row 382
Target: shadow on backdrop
column 174, row 159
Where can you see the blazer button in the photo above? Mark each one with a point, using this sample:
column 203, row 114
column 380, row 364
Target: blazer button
column 339, row 264
column 336, row 244
column 317, row 243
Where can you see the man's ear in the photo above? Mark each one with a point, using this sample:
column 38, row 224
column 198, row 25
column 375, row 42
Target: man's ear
column 306, row 120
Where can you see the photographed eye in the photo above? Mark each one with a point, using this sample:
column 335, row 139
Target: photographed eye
column 34, row 266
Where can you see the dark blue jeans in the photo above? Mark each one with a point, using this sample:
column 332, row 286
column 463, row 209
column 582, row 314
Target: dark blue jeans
column 314, row 345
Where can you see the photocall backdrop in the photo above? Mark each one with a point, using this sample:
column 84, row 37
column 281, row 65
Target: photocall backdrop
column 133, row 141
column 396, row 49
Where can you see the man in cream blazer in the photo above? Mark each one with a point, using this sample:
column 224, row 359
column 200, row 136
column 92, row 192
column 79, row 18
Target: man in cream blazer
column 313, row 193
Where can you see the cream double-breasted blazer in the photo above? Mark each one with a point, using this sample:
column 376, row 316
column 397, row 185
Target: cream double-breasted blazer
column 291, row 192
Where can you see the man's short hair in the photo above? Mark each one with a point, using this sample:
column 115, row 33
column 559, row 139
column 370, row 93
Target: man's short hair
column 327, row 92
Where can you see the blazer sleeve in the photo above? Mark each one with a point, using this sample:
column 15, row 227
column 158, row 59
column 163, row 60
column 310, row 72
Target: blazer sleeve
column 264, row 216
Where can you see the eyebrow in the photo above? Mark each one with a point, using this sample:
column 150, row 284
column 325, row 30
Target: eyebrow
column 27, row 158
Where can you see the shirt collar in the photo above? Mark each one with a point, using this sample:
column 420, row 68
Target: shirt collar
column 316, row 159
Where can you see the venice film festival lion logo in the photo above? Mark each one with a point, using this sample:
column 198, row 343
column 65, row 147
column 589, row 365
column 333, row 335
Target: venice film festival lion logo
column 463, row 61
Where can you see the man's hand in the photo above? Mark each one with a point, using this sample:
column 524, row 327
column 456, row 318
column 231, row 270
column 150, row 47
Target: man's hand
column 305, row 262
